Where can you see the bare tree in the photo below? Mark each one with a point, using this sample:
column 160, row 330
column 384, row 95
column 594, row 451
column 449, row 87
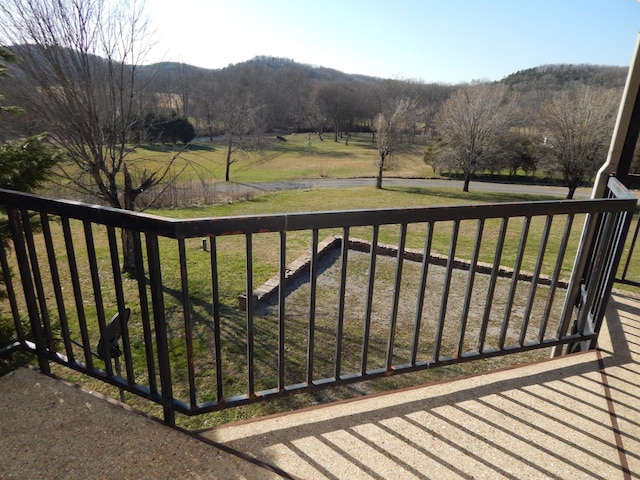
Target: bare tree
column 577, row 126
column 238, row 114
column 79, row 75
column 470, row 123
column 390, row 127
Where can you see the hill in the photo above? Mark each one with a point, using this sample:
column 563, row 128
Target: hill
column 267, row 63
column 561, row 76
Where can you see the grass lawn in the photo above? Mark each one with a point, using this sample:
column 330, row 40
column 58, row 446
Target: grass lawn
column 279, row 161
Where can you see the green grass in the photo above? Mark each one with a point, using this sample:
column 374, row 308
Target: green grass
column 279, row 161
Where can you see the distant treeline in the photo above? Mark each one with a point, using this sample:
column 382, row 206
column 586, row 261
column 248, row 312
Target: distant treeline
column 294, row 97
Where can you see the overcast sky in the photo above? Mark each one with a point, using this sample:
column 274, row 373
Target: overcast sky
column 448, row 41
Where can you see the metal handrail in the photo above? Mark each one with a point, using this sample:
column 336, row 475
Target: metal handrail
column 71, row 282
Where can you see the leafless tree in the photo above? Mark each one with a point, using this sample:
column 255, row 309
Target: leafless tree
column 390, row 127
column 78, row 73
column 470, row 123
column 238, row 113
column 577, row 126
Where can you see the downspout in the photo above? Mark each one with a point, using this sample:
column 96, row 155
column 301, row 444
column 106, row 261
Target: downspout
column 623, row 141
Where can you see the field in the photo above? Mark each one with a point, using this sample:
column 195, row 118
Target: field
column 290, row 160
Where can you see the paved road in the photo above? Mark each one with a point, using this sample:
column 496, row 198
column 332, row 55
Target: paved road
column 409, row 182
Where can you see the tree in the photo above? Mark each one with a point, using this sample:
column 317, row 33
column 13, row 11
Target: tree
column 469, row 124
column 389, row 128
column 519, row 151
column 79, row 74
column 238, row 114
column 165, row 130
column 26, row 163
column 577, row 125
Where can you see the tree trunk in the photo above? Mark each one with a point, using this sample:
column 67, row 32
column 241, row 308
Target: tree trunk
column 467, row 180
column 128, row 253
column 380, row 170
column 128, row 244
column 228, row 166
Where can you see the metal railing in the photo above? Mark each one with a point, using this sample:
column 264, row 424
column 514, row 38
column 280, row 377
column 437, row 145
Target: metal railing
column 425, row 287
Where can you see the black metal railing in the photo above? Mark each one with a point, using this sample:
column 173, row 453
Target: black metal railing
column 335, row 297
column 603, row 243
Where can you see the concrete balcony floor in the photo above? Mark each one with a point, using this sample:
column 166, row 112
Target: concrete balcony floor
column 573, row 417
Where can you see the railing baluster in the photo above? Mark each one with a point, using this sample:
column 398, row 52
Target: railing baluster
column 144, row 312
column 313, row 282
column 524, row 235
column 44, row 327
column 77, row 292
column 97, row 292
column 556, row 277
column 444, row 299
column 341, row 299
column 11, row 294
column 534, row 279
column 611, row 239
column 27, row 285
column 366, row 328
column 396, row 295
column 160, row 324
column 492, row 284
column 424, row 270
column 117, row 283
column 57, row 286
column 249, row 316
column 281, row 309
column 188, row 331
column 627, row 263
column 470, row 282
column 215, row 292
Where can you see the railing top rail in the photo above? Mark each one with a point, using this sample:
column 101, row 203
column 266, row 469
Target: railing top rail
column 217, row 226
column 619, row 190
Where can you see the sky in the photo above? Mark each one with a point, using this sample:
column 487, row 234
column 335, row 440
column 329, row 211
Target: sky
column 444, row 41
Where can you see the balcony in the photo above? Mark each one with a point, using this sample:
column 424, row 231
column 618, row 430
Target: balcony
column 218, row 314
column 385, row 296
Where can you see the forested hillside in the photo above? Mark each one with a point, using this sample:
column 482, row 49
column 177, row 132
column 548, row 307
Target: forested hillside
column 561, row 76
column 292, row 96
column 280, row 95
